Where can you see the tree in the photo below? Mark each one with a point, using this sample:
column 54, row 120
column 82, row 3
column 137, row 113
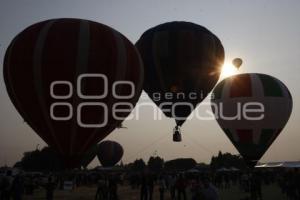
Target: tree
column 155, row 164
column 227, row 160
column 138, row 165
column 180, row 164
column 46, row 159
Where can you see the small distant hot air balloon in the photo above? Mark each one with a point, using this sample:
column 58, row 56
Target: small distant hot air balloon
column 237, row 62
column 109, row 153
column 61, row 76
column 252, row 109
column 182, row 63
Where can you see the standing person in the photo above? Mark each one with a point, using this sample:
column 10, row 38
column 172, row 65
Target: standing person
column 172, row 183
column 245, row 182
column 1, row 186
column 17, row 188
column 181, row 186
column 255, row 187
column 291, row 189
column 102, row 189
column 227, row 181
column 161, row 187
column 209, row 191
column 50, row 187
column 196, row 189
column 113, row 188
column 144, row 189
column 297, row 178
column 150, row 185
column 6, row 186
column 29, row 186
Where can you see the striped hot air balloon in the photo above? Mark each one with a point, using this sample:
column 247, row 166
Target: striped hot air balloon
column 65, row 75
column 252, row 109
column 182, row 63
column 109, row 153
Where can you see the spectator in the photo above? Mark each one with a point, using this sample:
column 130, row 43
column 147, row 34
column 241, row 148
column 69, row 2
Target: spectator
column 172, row 183
column 144, row 189
column 209, row 191
column 181, row 187
column 161, row 187
column 113, row 188
column 102, row 189
column 6, row 186
column 150, row 184
column 17, row 188
column 50, row 187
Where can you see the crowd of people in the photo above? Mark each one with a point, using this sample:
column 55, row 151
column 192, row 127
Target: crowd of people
column 15, row 187
column 150, row 185
column 179, row 186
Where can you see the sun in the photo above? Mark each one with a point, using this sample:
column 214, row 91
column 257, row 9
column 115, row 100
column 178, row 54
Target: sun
column 228, row 69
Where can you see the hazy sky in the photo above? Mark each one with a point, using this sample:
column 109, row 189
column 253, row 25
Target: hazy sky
column 266, row 34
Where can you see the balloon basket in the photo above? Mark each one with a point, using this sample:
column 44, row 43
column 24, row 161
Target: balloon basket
column 177, row 135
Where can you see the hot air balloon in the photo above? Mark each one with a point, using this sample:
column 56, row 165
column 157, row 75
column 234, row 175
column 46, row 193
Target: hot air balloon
column 252, row 109
column 237, row 62
column 64, row 76
column 109, row 153
column 182, row 63
column 89, row 156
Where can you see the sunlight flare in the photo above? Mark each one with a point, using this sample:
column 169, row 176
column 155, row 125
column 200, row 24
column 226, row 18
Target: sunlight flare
column 228, row 69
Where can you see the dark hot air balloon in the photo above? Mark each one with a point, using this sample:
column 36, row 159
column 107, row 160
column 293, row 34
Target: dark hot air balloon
column 64, row 76
column 237, row 62
column 182, row 63
column 109, row 153
column 252, row 109
column 89, row 156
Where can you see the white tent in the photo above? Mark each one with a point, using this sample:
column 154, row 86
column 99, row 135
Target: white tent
column 223, row 169
column 291, row 164
column 234, row 169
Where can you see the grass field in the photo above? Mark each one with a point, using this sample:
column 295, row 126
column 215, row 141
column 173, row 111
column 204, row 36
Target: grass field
column 126, row 193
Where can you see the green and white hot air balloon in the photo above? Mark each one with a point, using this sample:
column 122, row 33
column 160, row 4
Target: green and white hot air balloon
column 252, row 109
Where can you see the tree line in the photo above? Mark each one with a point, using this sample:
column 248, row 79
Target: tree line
column 47, row 159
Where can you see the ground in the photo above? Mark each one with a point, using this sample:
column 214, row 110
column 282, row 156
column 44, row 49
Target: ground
column 271, row 192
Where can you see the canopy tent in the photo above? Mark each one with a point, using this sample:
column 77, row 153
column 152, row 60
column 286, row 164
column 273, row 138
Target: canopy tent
column 293, row 164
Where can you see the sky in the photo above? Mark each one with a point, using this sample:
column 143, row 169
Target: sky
column 264, row 33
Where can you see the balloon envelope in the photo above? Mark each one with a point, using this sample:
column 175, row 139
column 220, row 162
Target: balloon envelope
column 182, row 63
column 237, row 62
column 252, row 109
column 60, row 76
column 89, row 156
column 109, row 153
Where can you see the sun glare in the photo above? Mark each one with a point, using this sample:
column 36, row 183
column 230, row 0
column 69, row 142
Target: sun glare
column 228, row 69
